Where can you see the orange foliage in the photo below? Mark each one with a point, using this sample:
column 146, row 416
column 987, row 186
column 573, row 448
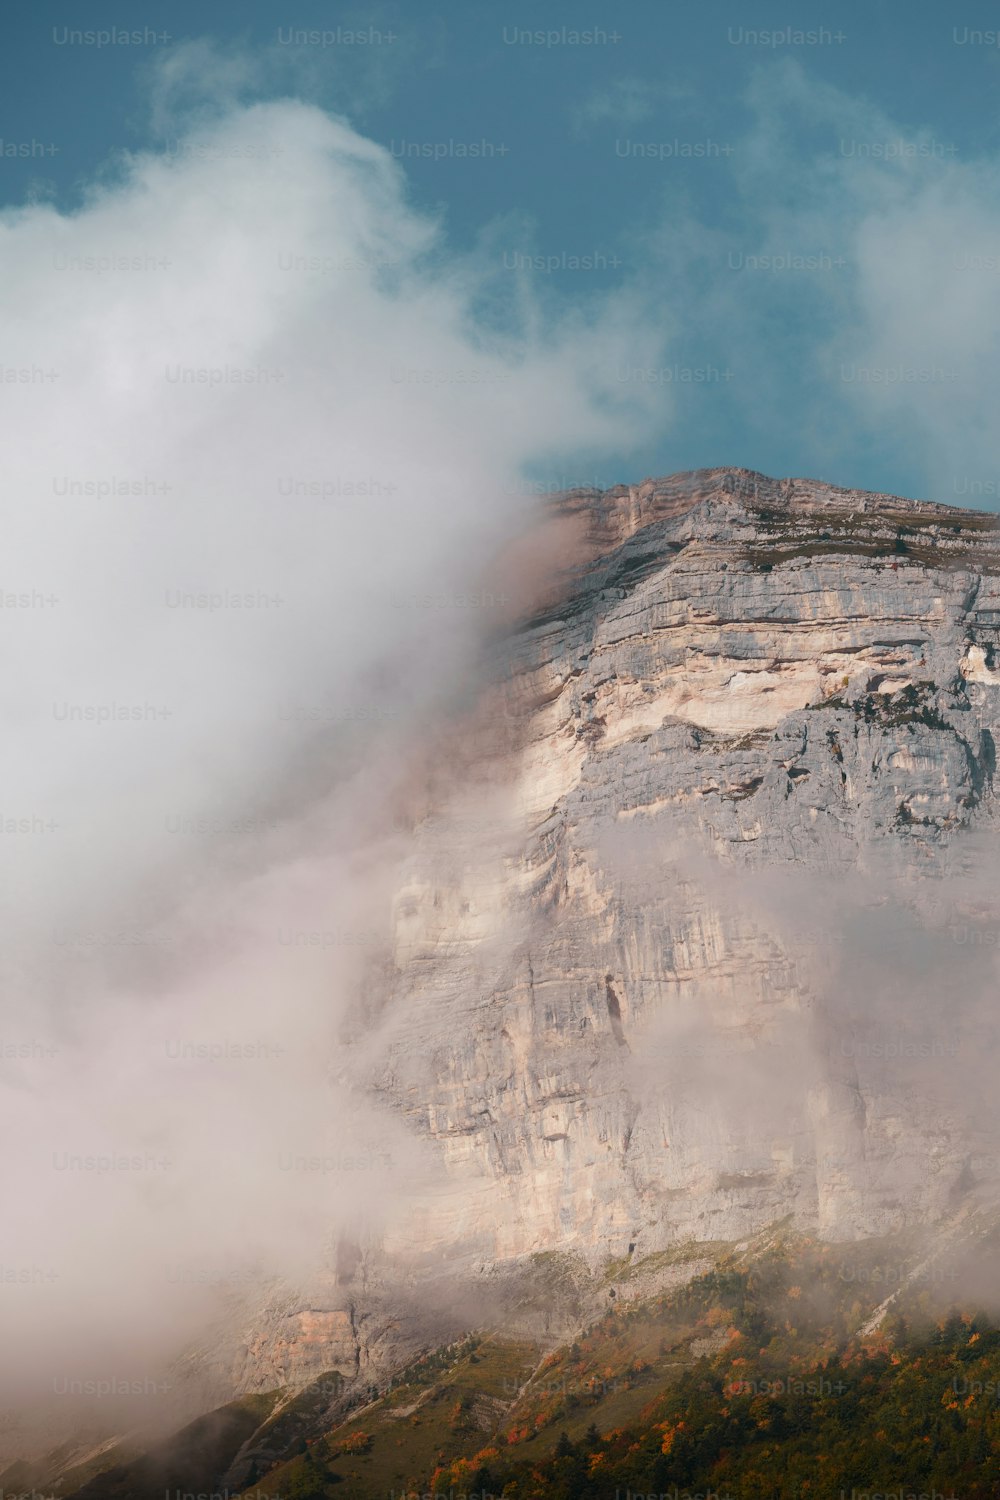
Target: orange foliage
column 356, row 1442
column 670, row 1431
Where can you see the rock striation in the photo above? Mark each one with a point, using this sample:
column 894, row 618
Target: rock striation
column 705, row 934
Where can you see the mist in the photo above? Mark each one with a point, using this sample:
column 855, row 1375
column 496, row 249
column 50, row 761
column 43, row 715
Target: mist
column 262, row 444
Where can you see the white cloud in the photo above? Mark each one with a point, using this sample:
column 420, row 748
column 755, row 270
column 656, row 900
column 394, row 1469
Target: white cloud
column 907, row 340
column 881, row 337
column 255, row 332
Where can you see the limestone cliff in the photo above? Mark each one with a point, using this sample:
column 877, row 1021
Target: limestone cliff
column 702, row 937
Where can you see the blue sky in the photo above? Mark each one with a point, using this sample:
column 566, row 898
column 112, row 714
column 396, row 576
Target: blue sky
column 823, row 310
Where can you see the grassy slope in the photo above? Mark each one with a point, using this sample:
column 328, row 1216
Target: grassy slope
column 703, row 1386
column 204, row 1447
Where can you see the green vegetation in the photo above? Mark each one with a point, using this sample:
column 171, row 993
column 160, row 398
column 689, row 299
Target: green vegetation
column 923, row 1418
column 755, row 1378
column 205, row 1446
column 886, row 536
column 447, row 1402
column 624, row 1268
column 909, row 705
column 791, row 1404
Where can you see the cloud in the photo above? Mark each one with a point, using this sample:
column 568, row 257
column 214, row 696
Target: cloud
column 906, row 338
column 260, row 447
column 851, row 278
column 200, row 79
column 623, row 102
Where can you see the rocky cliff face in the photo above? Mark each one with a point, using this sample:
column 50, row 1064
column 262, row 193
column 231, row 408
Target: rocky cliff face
column 702, row 937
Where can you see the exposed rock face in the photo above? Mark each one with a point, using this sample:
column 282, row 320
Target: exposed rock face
column 685, row 958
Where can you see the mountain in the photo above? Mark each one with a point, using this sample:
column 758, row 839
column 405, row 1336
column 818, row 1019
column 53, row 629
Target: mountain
column 694, row 930
column 768, row 1368
column 705, row 939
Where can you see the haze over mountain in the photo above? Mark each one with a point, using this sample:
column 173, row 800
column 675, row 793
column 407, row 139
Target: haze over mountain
column 677, row 922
